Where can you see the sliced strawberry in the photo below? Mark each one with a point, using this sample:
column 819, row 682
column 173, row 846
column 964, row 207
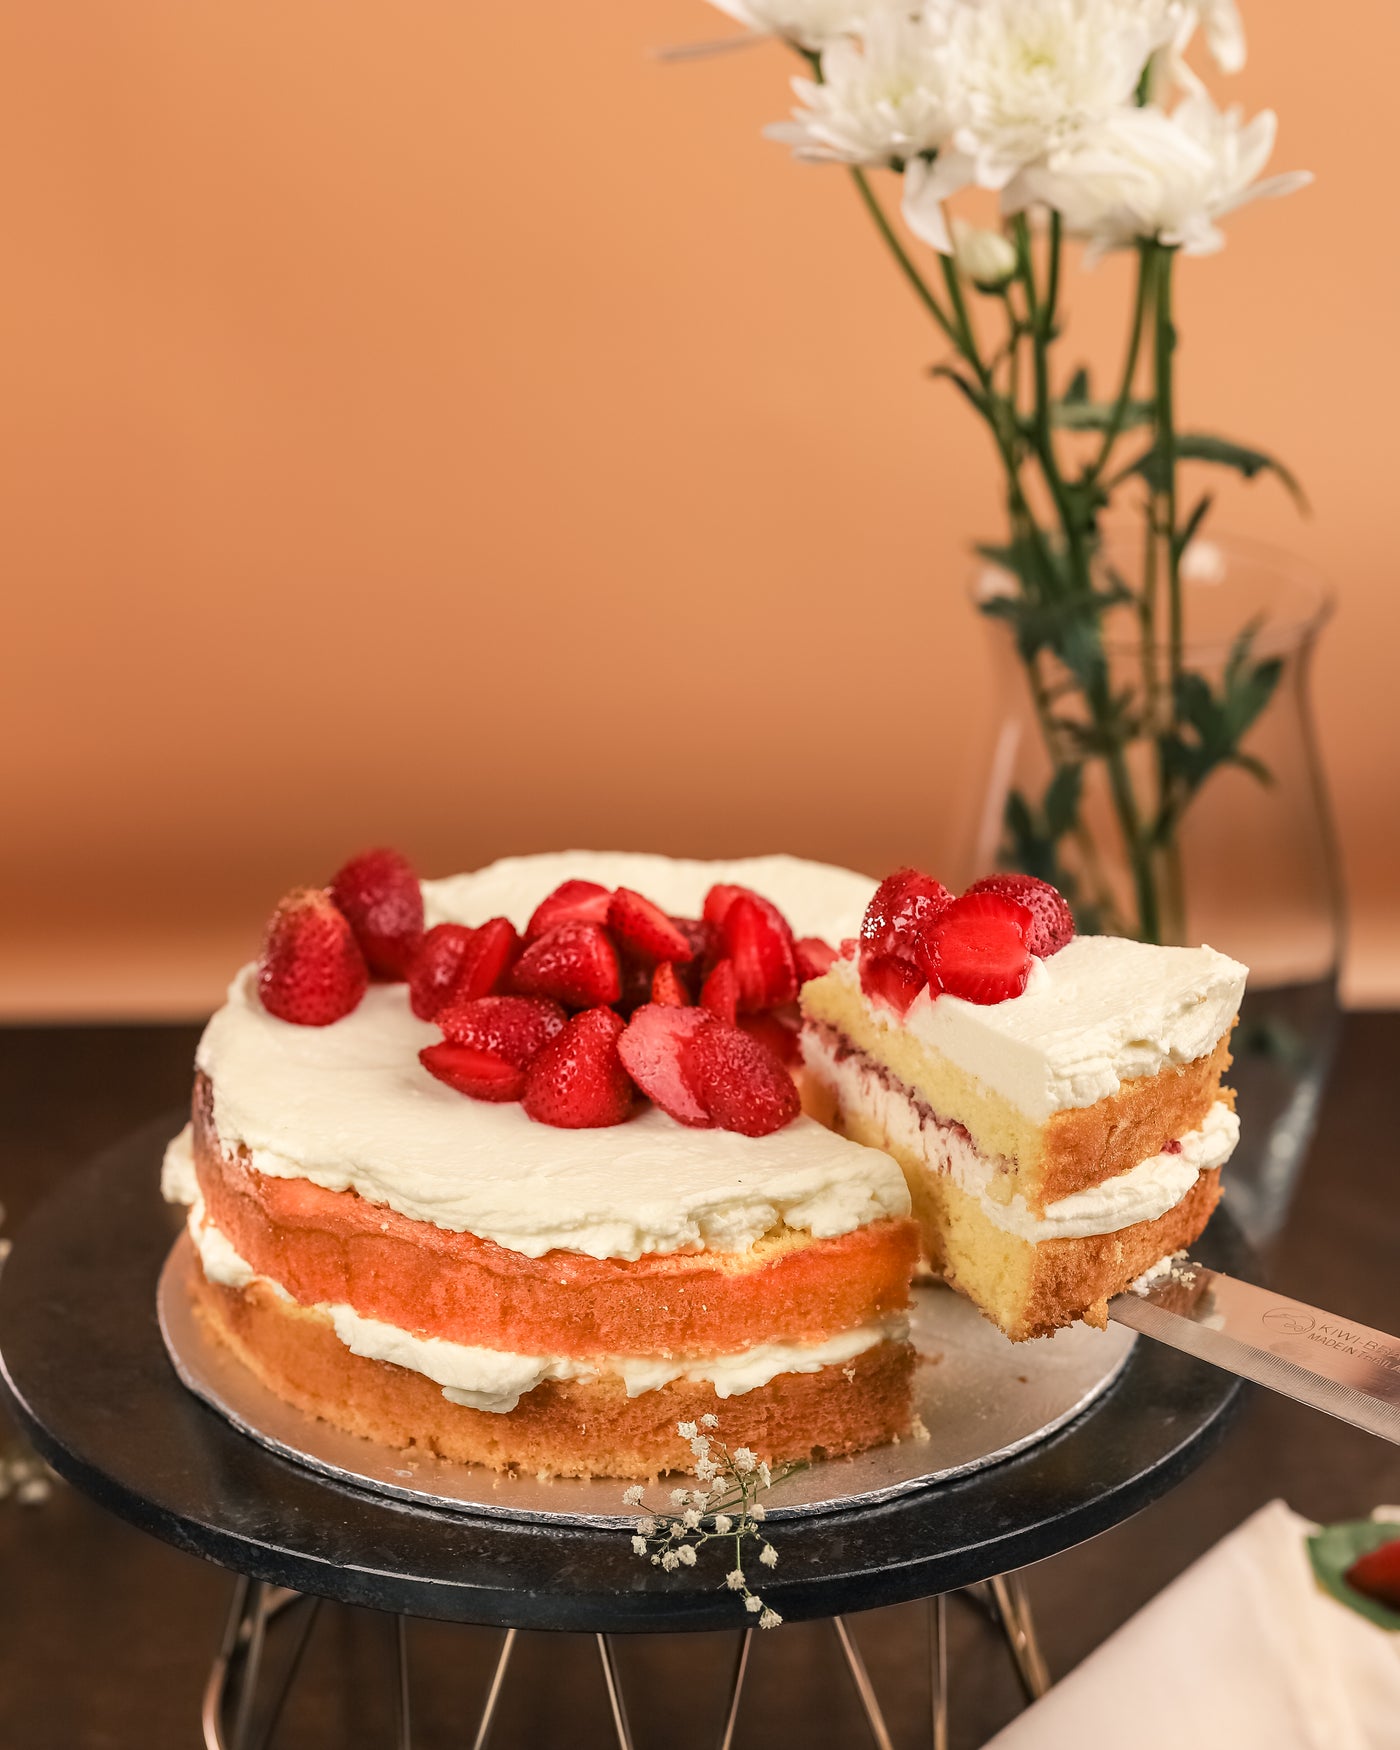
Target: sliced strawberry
column 311, row 971
column 718, row 901
column 778, row 1035
column 435, row 968
column 667, row 989
column 577, row 1082
column 850, row 947
column 1052, row 922
column 703, row 940
column 572, row 902
column 486, row 961
column 977, row 949
column 651, row 1053
column 485, row 1075
column 739, row 1081
column 888, row 979
column 379, row 894
column 720, row 992
column 643, row 928
column 758, row 941
column 813, row 957
column 904, row 907
column 1377, row 1574
column 512, row 1028
column 576, row 964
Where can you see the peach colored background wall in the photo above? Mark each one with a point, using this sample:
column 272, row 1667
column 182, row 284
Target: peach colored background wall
column 441, row 423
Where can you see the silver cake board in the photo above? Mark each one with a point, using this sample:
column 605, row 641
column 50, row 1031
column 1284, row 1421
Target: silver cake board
column 978, row 1398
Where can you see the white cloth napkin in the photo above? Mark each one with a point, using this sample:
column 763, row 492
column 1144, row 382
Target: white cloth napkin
column 1243, row 1651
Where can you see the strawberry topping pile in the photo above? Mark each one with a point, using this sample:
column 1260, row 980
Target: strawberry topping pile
column 980, row 947
column 604, row 1000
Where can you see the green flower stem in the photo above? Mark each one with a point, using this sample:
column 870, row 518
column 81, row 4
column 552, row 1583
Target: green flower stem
column 1164, row 334
column 1141, row 299
column 922, row 291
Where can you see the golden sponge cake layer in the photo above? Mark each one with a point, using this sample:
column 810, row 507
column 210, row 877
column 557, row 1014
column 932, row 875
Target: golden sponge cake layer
column 1073, row 1149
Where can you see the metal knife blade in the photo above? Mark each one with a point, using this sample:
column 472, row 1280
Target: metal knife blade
column 1333, row 1364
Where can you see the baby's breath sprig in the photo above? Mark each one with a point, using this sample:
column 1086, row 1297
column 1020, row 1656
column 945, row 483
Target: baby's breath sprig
column 725, row 1507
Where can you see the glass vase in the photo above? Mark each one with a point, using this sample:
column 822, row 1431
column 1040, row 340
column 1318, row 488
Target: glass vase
column 1250, row 866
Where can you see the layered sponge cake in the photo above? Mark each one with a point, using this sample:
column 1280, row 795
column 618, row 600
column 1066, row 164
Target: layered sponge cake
column 455, row 1274
column 1062, row 1123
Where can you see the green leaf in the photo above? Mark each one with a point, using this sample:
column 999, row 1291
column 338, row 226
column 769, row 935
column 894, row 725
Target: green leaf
column 1062, row 800
column 970, row 389
column 1201, row 447
column 1332, row 1551
column 1187, row 532
column 1078, row 390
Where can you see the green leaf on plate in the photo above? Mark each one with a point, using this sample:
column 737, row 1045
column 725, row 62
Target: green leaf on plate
column 1332, row 1551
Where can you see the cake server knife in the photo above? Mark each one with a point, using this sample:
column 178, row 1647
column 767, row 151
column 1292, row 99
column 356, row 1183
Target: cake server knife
column 1333, row 1364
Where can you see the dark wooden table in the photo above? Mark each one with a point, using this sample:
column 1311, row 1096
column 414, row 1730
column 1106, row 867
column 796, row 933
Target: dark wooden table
column 105, row 1635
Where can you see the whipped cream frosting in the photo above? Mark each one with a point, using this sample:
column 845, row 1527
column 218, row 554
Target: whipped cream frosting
column 1101, row 1012
column 349, row 1106
column 495, row 1380
column 1142, row 1193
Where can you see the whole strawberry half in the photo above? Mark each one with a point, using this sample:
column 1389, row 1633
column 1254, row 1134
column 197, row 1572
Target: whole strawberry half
column 758, row 942
column 644, row 929
column 720, row 992
column 578, row 1082
column 904, row 908
column 891, row 980
column 379, row 893
column 575, row 963
column 1052, row 922
column 511, row 1028
column 1377, row 1574
column 777, row 1030
column 977, row 950
column 486, row 961
column 651, row 1054
column 435, row 968
column 572, row 902
column 484, row 1075
column 738, row 1081
column 311, row 971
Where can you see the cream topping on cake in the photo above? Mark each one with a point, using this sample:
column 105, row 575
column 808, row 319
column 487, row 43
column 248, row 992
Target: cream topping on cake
column 496, row 1380
column 1142, row 1193
column 350, row 1107
column 1101, row 1012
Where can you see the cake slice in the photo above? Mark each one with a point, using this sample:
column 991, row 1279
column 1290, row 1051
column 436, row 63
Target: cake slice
column 1062, row 1124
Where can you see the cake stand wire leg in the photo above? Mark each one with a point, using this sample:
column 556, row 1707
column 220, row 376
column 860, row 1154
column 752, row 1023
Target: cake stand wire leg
column 938, row 1669
column 403, row 1735
column 493, row 1694
column 308, row 1622
column 1018, row 1625
column 736, row 1689
column 879, row 1731
column 615, row 1701
column 217, row 1680
column 252, row 1664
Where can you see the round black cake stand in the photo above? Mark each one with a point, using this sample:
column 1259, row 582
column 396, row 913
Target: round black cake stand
column 83, row 1360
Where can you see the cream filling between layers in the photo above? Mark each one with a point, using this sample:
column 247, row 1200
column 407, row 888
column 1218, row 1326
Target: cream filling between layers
column 1101, row 1012
column 495, row 1380
column 1142, row 1193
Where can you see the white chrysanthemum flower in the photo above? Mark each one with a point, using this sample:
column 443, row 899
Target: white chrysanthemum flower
column 734, row 1579
column 811, row 24
column 884, row 96
column 723, row 1523
column 753, row 1602
column 744, row 1460
column 686, row 1430
column 639, row 1546
column 633, row 1496
column 1143, row 173
column 768, row 1556
column 986, row 257
column 1221, row 25
column 770, row 1619
column 1032, row 74
column 685, row 1555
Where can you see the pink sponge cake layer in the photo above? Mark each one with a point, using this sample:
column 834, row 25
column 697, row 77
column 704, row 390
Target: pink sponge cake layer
column 336, row 1247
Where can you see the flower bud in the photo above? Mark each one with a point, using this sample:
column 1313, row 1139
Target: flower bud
column 986, row 257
